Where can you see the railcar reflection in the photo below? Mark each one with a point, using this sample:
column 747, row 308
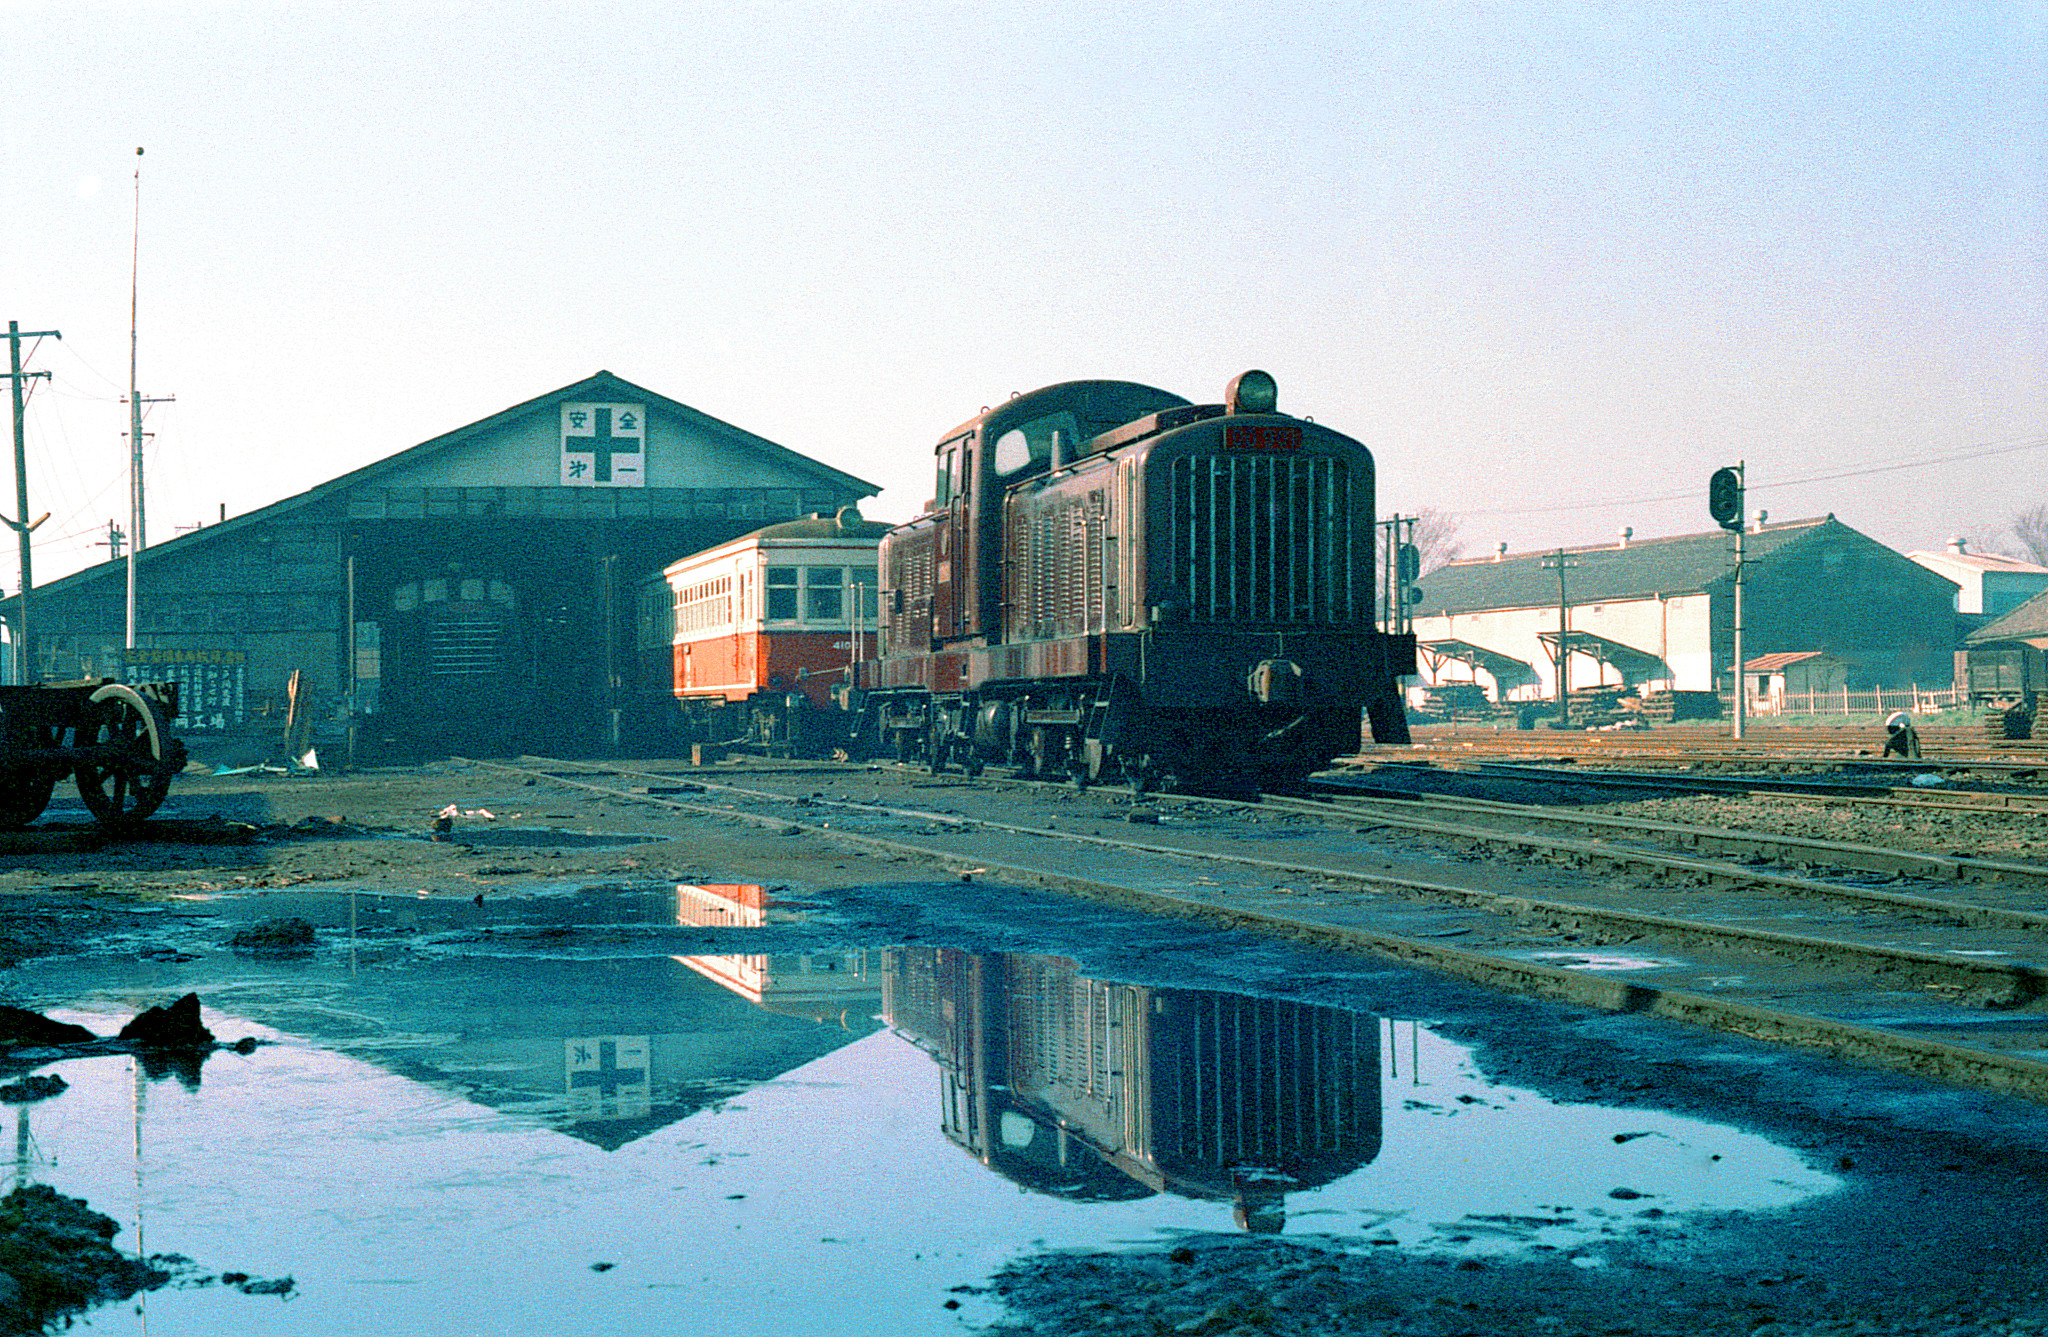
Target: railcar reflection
column 1095, row 1091
column 842, row 987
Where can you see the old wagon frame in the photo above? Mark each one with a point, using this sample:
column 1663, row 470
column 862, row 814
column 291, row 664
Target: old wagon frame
column 112, row 738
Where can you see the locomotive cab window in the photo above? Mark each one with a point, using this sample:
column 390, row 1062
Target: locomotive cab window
column 1027, row 448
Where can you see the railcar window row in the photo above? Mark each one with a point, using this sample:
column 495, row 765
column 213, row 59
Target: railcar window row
column 704, row 606
column 819, row 593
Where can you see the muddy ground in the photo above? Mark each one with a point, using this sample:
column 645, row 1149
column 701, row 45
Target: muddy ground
column 1937, row 1230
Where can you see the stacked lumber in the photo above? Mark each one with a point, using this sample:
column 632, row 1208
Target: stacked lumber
column 2005, row 725
column 1665, row 706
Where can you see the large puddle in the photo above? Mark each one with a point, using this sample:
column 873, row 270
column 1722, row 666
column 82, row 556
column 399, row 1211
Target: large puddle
column 830, row 1142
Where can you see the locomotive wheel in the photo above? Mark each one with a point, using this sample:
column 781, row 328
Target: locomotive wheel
column 129, row 788
column 24, row 793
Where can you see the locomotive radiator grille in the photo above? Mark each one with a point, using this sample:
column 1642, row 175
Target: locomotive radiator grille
column 1267, row 538
column 1065, row 1038
column 1261, row 1079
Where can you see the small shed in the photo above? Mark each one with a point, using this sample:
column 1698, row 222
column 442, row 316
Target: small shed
column 1792, row 680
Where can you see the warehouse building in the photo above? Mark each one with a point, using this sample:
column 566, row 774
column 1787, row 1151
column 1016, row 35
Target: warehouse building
column 1990, row 584
column 476, row 592
column 1660, row 613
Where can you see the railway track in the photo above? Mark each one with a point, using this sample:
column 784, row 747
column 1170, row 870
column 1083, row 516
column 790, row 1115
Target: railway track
column 1819, row 789
column 1622, row 841
column 1695, row 747
column 1943, row 974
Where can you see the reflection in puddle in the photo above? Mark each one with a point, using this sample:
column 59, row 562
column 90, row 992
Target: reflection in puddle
column 1094, row 1091
column 492, row 1144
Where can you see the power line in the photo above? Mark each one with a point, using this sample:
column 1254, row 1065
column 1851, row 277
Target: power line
column 1986, row 451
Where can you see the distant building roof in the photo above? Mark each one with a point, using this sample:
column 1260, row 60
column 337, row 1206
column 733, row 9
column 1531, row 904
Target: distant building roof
column 1956, row 556
column 1640, row 569
column 1772, row 663
column 602, row 385
column 2028, row 622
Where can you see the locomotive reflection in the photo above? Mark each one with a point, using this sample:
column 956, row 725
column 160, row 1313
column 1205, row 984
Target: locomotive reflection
column 1093, row 1091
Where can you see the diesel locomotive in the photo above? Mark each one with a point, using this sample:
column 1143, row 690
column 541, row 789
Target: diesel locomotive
column 1113, row 583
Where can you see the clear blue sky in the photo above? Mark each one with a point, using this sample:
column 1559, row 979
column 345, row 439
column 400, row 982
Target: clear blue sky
column 1553, row 262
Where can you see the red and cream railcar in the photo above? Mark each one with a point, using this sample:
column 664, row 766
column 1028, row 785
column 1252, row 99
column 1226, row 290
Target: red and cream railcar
column 766, row 629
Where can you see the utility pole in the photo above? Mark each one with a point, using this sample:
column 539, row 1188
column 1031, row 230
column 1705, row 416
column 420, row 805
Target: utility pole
column 112, row 541
column 1741, row 675
column 136, row 436
column 138, row 537
column 22, row 525
column 1564, row 673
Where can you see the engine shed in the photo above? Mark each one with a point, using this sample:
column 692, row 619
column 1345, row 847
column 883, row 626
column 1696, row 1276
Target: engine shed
column 474, row 593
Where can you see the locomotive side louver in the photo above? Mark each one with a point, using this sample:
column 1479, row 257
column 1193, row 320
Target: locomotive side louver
column 1266, row 538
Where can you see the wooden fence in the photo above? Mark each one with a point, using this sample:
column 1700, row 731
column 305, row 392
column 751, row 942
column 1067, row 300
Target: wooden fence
column 1912, row 700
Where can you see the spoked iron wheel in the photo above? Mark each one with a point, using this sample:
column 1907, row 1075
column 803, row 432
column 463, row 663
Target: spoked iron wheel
column 128, row 785
column 24, row 793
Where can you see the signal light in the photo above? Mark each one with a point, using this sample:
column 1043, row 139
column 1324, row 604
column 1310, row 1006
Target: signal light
column 1724, row 498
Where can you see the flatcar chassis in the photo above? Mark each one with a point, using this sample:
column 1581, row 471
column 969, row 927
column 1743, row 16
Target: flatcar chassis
column 112, row 738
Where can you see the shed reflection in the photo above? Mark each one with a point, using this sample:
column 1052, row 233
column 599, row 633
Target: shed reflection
column 1096, row 1091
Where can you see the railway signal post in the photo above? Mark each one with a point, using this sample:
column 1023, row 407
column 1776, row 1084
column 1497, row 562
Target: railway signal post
column 1725, row 504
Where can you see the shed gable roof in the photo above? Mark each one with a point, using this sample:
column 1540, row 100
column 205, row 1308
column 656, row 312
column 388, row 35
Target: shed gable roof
column 603, row 386
column 1772, row 663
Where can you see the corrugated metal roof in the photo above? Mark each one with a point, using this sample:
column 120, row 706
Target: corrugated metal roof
column 1642, row 569
column 1772, row 663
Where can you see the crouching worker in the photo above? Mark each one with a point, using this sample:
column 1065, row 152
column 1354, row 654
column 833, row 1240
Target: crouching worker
column 1901, row 737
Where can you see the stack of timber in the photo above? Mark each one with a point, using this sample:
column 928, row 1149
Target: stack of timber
column 2016, row 722
column 1594, row 706
column 1665, row 706
column 1453, row 701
